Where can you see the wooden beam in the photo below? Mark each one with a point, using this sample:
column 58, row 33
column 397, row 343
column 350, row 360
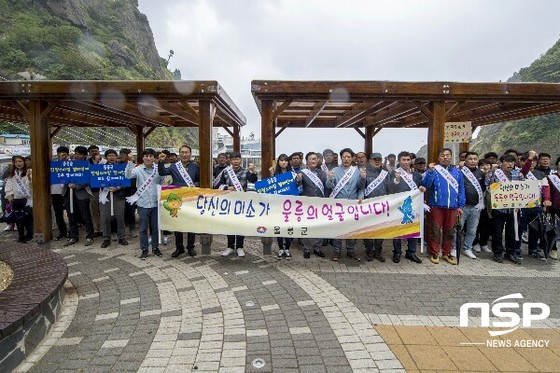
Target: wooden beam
column 55, row 131
column 281, row 130
column 317, row 108
column 39, row 130
column 424, row 110
column 205, row 126
column 236, row 139
column 373, row 110
column 178, row 111
column 21, row 107
column 360, row 132
column 435, row 132
column 267, row 136
column 455, row 107
column 281, row 108
column 148, row 131
column 230, row 132
column 368, row 143
column 140, row 142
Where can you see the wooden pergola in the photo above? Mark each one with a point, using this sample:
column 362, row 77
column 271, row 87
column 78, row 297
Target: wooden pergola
column 368, row 107
column 140, row 106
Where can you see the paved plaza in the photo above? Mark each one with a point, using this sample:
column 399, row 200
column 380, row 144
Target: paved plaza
column 259, row 314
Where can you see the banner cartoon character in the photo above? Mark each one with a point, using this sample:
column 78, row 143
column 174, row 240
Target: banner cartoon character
column 173, row 204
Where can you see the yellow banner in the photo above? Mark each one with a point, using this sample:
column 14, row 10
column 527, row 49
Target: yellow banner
column 214, row 211
column 515, row 194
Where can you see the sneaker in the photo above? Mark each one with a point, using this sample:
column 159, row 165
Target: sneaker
column 71, row 241
column 89, row 241
column 512, row 258
column 476, row 248
column 485, row 249
column 105, row 244
column 227, row 252
column 454, row 252
column 470, row 254
column 157, row 253
column 554, row 254
column 10, row 227
column 449, row 259
column 498, row 258
column 434, row 259
column 336, row 256
column 538, row 255
column 240, row 252
column 354, row 257
column 144, row 255
column 280, row 254
column 307, row 255
column 287, row 254
column 165, row 240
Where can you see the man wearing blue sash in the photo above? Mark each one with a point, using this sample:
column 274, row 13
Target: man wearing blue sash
column 347, row 182
column 184, row 173
column 376, row 185
column 447, row 199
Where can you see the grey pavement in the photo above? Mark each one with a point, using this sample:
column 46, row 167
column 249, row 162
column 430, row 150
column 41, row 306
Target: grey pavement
column 258, row 314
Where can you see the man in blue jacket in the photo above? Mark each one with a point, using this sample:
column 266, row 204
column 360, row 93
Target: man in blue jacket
column 447, row 199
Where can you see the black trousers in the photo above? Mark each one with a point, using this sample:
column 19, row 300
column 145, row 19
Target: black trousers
column 58, row 207
column 179, row 240
column 371, row 244
column 81, row 210
column 235, row 242
column 25, row 225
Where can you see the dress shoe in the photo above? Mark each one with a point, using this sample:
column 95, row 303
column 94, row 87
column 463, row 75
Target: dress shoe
column 379, row 257
column 105, row 244
column 396, row 258
column 89, row 241
column 319, row 253
column 71, row 241
column 512, row 258
column 336, row 256
column 177, row 252
column 123, row 242
column 413, row 257
column 157, row 253
column 353, row 257
column 307, row 255
column 192, row 252
column 369, row 257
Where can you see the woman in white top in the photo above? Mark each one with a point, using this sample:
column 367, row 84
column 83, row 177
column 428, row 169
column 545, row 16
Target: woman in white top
column 18, row 192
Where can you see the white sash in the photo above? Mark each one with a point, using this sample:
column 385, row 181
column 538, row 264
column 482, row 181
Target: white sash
column 216, row 180
column 234, row 179
column 136, row 196
column 407, row 178
column 184, row 174
column 469, row 175
column 324, row 167
column 315, row 179
column 448, row 177
column 375, row 183
column 555, row 181
column 342, row 182
column 531, row 176
column 103, row 195
column 501, row 175
column 23, row 190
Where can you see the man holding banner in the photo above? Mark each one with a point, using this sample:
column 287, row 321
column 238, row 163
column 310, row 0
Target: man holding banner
column 346, row 181
column 184, row 173
column 506, row 217
column 236, row 178
column 312, row 179
column 446, row 201
column 111, row 203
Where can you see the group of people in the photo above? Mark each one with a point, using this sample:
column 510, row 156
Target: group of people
column 454, row 192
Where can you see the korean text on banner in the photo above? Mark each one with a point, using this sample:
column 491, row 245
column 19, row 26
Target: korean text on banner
column 108, row 175
column 279, row 184
column 515, row 194
column 214, row 211
column 67, row 172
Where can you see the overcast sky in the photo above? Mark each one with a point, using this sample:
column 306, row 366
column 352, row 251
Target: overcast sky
column 236, row 41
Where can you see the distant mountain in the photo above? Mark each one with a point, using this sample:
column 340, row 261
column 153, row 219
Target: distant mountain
column 83, row 40
column 539, row 133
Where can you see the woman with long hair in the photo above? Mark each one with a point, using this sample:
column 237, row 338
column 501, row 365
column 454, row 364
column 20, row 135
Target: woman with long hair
column 282, row 166
column 18, row 192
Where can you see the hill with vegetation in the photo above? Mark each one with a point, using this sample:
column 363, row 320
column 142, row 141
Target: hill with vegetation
column 83, row 40
column 539, row 133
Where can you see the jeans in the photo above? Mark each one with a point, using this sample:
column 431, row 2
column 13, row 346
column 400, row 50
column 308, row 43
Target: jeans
column 337, row 244
column 411, row 246
column 148, row 217
column 471, row 216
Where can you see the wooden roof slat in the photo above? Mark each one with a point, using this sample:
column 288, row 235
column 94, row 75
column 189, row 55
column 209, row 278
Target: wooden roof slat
column 315, row 113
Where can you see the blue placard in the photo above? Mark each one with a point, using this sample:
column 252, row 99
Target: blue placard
column 279, row 184
column 108, row 175
column 69, row 172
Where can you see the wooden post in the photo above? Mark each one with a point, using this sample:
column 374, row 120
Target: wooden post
column 368, row 147
column 140, row 143
column 463, row 147
column 206, row 120
column 236, row 139
column 39, row 130
column 435, row 132
column 267, row 153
